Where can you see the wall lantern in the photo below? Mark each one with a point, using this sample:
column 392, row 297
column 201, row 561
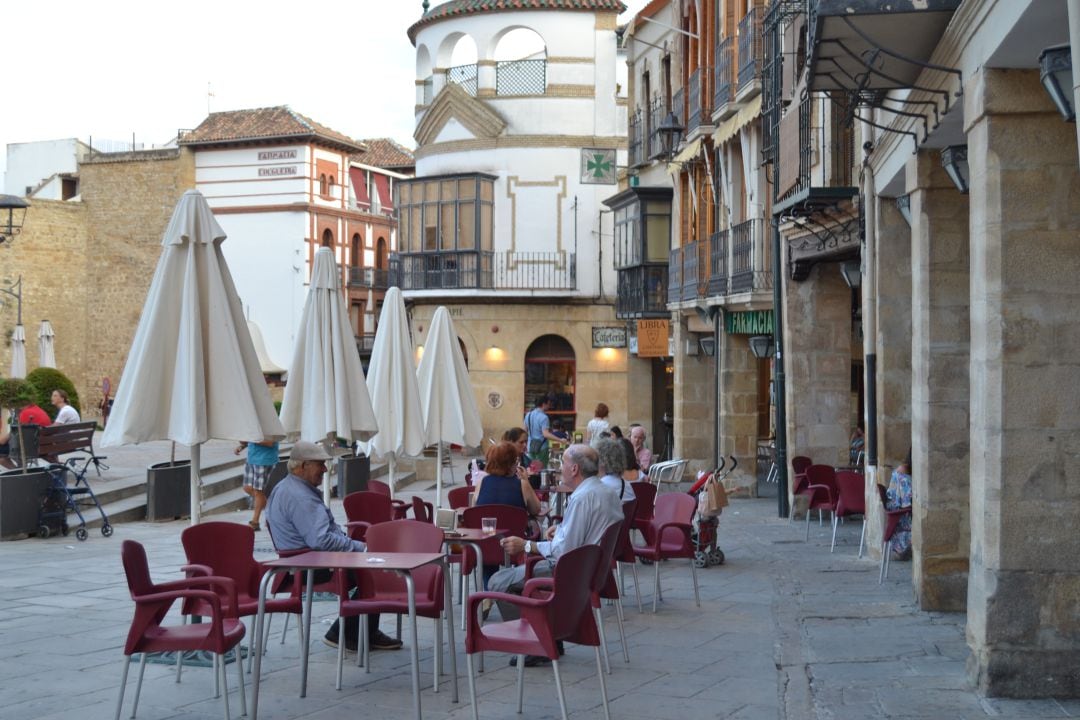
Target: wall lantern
column 762, row 346
column 852, row 272
column 708, row 345
column 670, row 133
column 903, row 204
column 1055, row 71
column 954, row 160
column 12, row 214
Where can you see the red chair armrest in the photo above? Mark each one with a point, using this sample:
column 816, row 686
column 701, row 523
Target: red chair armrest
column 196, row 570
column 538, row 585
column 530, row 561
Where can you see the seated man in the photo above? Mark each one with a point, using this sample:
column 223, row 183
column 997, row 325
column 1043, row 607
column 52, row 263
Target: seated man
column 298, row 520
column 589, row 512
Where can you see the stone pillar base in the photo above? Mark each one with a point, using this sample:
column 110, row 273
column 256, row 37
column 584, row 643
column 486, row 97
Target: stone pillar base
column 1026, row 673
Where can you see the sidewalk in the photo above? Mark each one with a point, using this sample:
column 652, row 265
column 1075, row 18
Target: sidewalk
column 785, row 630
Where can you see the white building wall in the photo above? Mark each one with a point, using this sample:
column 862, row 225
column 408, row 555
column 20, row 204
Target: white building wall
column 30, row 163
column 254, row 176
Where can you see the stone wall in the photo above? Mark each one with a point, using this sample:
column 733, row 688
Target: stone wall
column 694, row 399
column 738, row 405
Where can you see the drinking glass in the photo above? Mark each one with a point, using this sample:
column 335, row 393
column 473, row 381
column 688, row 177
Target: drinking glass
column 488, row 525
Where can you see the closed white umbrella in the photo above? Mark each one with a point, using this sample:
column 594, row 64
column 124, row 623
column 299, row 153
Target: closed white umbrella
column 392, row 385
column 18, row 352
column 46, row 354
column 192, row 373
column 325, row 395
column 446, row 396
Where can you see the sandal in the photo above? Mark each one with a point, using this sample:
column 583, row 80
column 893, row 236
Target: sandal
column 254, row 525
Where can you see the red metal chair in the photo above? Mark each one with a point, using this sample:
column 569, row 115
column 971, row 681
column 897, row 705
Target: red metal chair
column 624, row 555
column 562, row 614
column 669, row 537
column 892, row 521
column 225, row 549
column 364, row 509
column 222, row 633
column 458, row 497
column 820, row 489
column 850, row 500
column 645, row 492
column 400, row 506
column 423, row 510
column 386, row 592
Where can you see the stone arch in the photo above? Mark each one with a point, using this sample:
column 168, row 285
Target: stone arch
column 551, row 368
column 457, row 48
column 516, row 42
column 423, row 63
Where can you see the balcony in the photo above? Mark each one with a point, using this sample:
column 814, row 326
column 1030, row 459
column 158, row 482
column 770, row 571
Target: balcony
column 689, row 271
column 636, row 140
column 658, row 110
column 463, row 270
column 751, row 47
column 464, row 76
column 698, row 100
column 642, row 292
column 365, row 344
column 724, row 84
column 750, row 262
column 366, row 277
column 718, row 264
column 521, row 77
column 674, row 292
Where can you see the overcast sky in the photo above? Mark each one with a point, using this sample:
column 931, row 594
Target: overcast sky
column 113, row 68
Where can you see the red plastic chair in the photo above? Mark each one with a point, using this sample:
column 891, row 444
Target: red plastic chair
column 645, row 492
column 820, row 488
column 423, row 510
column 364, row 509
column 386, row 592
column 892, row 521
column 400, row 506
column 604, row 586
column 222, row 633
column 458, row 497
column 624, row 555
column 562, row 614
column 850, row 500
column 669, row 534
column 225, row 549
column 799, row 463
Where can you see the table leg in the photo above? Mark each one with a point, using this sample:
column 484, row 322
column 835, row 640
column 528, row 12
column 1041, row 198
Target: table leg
column 450, row 625
column 260, row 620
column 306, row 649
column 411, row 590
column 478, row 565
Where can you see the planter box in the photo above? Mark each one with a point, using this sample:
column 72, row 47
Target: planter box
column 353, row 473
column 168, row 491
column 21, row 492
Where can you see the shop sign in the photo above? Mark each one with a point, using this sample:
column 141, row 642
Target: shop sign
column 751, row 322
column 609, row 337
column 652, row 338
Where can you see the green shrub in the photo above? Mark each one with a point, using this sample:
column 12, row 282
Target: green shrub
column 14, row 392
column 43, row 381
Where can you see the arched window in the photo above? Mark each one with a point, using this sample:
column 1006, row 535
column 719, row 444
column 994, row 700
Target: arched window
column 327, row 238
column 322, row 184
column 550, row 369
column 380, row 254
column 356, row 252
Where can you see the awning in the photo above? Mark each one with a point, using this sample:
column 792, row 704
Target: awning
column 687, row 153
column 359, row 185
column 730, row 127
column 382, row 185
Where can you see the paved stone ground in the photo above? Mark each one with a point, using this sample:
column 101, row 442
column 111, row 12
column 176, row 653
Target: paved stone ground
column 785, row 630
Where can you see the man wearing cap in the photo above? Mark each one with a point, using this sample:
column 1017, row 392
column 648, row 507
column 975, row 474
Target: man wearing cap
column 298, row 520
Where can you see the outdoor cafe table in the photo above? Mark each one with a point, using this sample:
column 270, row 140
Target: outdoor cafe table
column 401, row 563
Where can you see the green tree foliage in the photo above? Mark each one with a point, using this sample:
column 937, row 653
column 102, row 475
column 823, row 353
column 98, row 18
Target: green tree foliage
column 43, row 381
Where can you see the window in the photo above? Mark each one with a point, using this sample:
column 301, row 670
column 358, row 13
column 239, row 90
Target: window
column 356, row 251
column 642, row 226
column 327, row 238
column 439, row 214
column 550, row 368
column 322, row 185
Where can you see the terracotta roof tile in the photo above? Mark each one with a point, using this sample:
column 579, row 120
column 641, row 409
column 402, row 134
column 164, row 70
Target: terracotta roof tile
column 456, row 8
column 386, row 153
column 264, row 123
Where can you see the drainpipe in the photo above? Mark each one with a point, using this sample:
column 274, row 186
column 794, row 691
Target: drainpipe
column 1074, row 44
column 718, row 316
column 869, row 317
column 782, row 508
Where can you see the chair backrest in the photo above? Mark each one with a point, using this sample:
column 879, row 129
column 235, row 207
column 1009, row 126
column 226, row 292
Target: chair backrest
column 645, row 492
column 850, row 488
column 570, row 596
column 368, row 506
column 799, row 463
column 608, row 542
column 136, row 568
column 623, row 551
column 673, row 507
column 378, row 486
column 514, row 520
column 411, row 536
column 458, row 497
column 227, row 548
column 422, row 510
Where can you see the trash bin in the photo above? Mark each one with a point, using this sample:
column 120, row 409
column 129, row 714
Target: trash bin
column 353, row 473
column 168, row 490
column 21, row 493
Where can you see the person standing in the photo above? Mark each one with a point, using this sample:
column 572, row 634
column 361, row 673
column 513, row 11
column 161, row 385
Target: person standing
column 65, row 414
column 538, row 427
column 261, row 459
column 598, row 425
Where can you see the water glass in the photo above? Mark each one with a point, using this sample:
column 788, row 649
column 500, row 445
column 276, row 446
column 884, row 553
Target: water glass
column 488, row 525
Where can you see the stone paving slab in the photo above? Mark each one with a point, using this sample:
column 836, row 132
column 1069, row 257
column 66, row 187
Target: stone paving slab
column 785, row 630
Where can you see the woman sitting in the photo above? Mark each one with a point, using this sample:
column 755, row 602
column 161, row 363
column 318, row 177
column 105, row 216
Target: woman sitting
column 520, row 440
column 506, row 481
column 632, row 473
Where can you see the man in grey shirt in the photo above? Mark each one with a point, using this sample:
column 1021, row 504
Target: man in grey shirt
column 298, row 520
column 591, row 510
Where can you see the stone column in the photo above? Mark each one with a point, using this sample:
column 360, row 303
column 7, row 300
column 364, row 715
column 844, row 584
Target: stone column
column 940, row 394
column 817, row 347
column 738, row 405
column 695, row 392
column 1023, row 620
column 893, row 348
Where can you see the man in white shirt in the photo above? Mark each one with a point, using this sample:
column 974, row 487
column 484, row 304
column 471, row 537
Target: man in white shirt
column 66, row 414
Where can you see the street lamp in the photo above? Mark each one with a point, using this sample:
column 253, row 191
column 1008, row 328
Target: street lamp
column 852, row 272
column 903, row 204
column 1055, row 71
column 12, row 214
column 15, row 290
column 670, row 131
column 954, row 160
column 762, row 346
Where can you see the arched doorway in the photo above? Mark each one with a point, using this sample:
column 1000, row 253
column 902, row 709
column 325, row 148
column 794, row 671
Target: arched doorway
column 380, row 253
column 356, row 252
column 327, row 238
column 550, row 368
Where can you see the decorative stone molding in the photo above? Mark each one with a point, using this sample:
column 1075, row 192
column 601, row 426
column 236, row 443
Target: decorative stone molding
column 453, row 102
column 572, row 91
column 520, row 141
column 567, row 60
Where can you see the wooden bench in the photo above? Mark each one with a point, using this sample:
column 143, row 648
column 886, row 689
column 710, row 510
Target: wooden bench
column 56, row 440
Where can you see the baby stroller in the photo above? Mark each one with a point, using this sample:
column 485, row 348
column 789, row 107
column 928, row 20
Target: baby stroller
column 704, row 534
column 68, row 493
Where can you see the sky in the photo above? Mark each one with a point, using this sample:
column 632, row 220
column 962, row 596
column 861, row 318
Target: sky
column 114, row 69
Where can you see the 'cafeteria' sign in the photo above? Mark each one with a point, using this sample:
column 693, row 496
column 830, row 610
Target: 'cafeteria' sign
column 752, row 322
column 609, row 337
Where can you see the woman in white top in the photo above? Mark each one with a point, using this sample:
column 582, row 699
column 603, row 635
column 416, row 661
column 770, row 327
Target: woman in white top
column 66, row 414
column 598, row 425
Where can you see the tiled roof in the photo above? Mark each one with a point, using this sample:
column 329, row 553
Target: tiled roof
column 457, row 8
column 386, row 153
column 264, row 123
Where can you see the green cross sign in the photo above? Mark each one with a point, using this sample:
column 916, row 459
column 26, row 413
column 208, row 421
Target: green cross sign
column 599, row 166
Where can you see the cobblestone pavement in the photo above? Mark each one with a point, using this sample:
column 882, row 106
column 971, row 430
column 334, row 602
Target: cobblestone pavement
column 785, row 630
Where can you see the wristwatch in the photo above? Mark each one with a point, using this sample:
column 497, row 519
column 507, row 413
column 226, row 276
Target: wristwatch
column 530, row 547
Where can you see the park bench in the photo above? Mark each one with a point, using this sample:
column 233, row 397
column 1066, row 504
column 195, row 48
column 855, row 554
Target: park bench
column 55, row 440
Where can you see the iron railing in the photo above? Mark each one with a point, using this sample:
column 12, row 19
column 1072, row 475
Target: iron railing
column 463, row 76
column 696, row 99
column 751, row 45
column 674, row 292
column 521, row 77
column 678, row 106
column 658, row 110
column 367, row 277
column 452, row 270
column 636, row 140
column 643, row 292
column 689, row 270
column 725, row 75
column 718, row 262
column 365, row 343
column 750, row 261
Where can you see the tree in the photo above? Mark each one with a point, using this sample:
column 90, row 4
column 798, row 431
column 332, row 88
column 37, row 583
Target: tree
column 43, row 381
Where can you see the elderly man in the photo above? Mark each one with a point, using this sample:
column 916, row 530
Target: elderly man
column 644, row 454
column 591, row 509
column 298, row 520
column 612, row 466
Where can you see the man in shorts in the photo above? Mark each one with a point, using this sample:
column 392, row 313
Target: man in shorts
column 261, row 459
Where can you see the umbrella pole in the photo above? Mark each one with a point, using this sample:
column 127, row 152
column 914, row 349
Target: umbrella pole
column 196, row 484
column 393, row 474
column 438, row 475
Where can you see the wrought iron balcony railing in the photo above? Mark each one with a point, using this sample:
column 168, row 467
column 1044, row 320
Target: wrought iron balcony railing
column 463, row 75
column 674, row 293
column 698, row 100
column 751, row 45
column 365, row 344
column 724, row 83
column 366, row 277
column 521, row 77
column 689, row 270
column 643, row 292
column 636, row 140
column 718, row 261
column 458, row 270
column 658, row 110
column 750, row 262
